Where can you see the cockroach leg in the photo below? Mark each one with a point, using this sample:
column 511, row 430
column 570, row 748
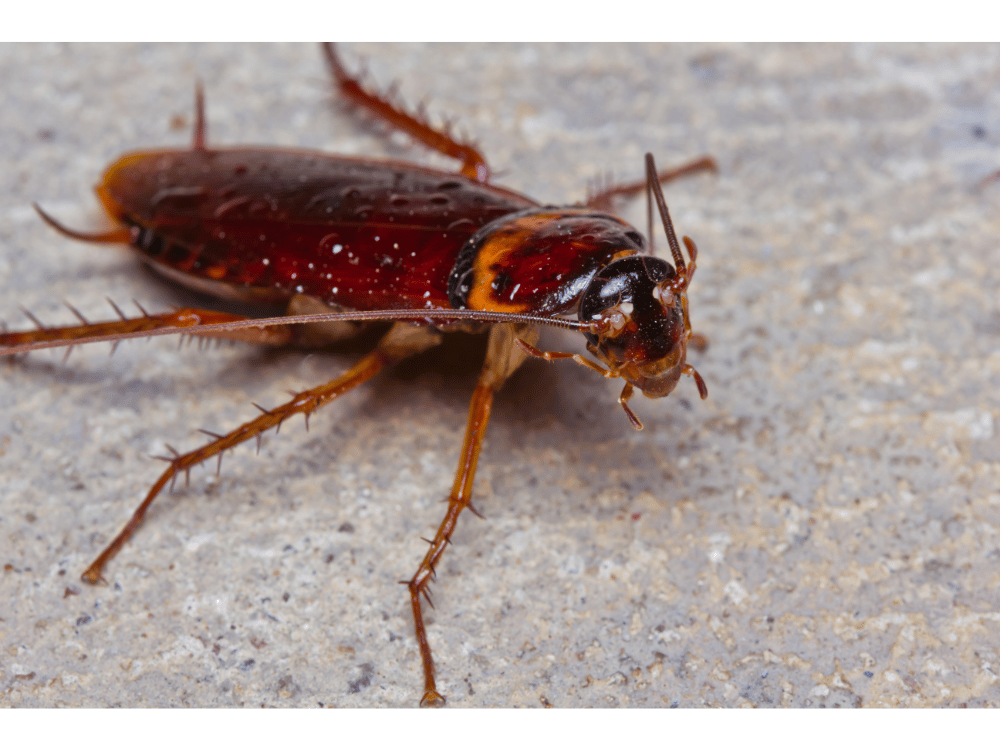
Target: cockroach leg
column 458, row 500
column 183, row 318
column 502, row 358
column 603, row 200
column 552, row 356
column 401, row 341
column 473, row 162
column 702, row 388
column 581, row 360
column 623, row 400
column 186, row 317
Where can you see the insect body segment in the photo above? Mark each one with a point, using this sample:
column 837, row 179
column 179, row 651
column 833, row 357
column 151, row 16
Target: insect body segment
column 340, row 239
column 538, row 260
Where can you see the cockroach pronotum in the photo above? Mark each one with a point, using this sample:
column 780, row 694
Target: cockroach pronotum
column 343, row 242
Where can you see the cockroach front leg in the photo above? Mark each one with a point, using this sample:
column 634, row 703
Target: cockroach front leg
column 502, row 358
column 581, row 360
column 553, row 356
column 401, row 341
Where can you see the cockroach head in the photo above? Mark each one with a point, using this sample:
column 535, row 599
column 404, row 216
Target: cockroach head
column 637, row 306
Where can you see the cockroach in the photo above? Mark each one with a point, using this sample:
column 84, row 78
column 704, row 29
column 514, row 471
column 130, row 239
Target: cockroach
column 344, row 242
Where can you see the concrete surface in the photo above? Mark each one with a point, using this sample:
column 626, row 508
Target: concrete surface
column 822, row 531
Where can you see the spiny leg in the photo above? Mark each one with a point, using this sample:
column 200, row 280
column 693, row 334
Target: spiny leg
column 400, row 342
column 603, row 200
column 502, row 358
column 461, row 493
column 473, row 162
column 181, row 318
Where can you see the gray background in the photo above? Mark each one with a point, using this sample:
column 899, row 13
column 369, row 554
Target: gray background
column 822, row 531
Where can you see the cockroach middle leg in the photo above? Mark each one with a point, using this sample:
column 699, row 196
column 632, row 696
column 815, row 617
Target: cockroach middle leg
column 400, row 342
column 473, row 162
column 502, row 358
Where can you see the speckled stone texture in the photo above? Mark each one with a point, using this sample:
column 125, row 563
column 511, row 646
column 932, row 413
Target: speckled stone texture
column 822, row 531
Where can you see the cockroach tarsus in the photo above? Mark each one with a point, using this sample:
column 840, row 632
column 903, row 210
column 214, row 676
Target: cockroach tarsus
column 343, row 242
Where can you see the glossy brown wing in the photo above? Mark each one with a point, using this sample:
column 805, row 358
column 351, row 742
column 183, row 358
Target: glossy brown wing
column 270, row 223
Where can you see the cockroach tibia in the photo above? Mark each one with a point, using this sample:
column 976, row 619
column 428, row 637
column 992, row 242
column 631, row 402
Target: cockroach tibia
column 344, row 242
